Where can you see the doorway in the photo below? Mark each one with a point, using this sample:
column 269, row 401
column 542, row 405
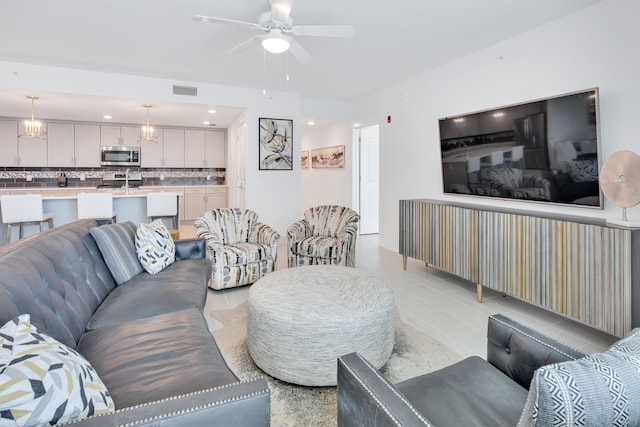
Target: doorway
column 367, row 182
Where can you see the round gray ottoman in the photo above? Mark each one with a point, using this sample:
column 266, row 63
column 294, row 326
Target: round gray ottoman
column 301, row 319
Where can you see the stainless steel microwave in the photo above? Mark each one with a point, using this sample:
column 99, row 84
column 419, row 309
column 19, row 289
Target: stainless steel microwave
column 120, row 156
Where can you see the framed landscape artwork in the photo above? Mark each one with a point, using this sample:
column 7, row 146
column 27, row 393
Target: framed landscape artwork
column 276, row 144
column 304, row 159
column 329, row 157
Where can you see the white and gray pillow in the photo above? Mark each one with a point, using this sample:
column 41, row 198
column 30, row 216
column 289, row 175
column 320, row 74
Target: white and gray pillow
column 602, row 389
column 154, row 246
column 117, row 245
column 44, row 382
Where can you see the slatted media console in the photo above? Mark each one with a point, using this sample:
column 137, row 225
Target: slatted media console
column 580, row 267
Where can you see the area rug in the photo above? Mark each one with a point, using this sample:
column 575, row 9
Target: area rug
column 414, row 354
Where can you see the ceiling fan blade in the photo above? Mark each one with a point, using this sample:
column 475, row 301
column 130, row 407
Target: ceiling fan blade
column 244, row 45
column 280, row 10
column 299, row 52
column 323, row 30
column 214, row 20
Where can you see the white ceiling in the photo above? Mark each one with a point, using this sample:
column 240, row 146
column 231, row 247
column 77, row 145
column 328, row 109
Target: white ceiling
column 394, row 40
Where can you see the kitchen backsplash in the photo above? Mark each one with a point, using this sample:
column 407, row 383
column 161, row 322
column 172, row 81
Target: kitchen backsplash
column 13, row 177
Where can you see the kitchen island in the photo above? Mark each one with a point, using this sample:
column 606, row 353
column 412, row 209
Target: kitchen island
column 129, row 205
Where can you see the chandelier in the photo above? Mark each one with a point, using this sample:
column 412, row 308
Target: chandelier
column 147, row 131
column 33, row 128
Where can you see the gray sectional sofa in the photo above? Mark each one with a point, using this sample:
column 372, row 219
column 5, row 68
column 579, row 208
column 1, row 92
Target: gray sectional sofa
column 147, row 338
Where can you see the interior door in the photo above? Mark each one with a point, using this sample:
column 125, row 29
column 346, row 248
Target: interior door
column 241, row 146
column 369, row 180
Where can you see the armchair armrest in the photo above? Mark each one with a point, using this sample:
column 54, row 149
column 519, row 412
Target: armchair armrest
column 238, row 404
column 366, row 398
column 297, row 230
column 518, row 350
column 266, row 235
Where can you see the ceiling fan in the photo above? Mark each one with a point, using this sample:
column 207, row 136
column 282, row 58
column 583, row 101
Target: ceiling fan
column 276, row 24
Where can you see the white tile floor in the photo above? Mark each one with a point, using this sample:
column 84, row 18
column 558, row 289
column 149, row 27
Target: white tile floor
column 441, row 305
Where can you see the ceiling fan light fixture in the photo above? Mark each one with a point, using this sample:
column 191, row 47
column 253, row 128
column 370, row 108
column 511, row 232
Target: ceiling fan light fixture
column 275, row 42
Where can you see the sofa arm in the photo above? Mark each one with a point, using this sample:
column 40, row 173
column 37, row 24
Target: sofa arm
column 366, row 398
column 518, row 351
column 238, row 404
column 190, row 249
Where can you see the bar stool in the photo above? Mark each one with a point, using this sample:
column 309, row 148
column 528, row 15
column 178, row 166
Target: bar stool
column 98, row 206
column 21, row 210
column 163, row 205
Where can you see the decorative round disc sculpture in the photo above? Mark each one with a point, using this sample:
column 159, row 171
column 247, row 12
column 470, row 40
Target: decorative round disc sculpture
column 620, row 179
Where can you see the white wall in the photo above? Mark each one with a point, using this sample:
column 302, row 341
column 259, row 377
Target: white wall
column 596, row 47
column 331, row 186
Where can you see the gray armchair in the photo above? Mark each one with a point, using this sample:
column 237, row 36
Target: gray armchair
column 473, row 392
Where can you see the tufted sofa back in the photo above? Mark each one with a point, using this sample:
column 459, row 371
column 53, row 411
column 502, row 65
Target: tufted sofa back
column 58, row 277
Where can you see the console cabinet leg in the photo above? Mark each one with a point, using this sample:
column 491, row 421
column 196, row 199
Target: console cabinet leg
column 479, row 291
column 404, row 262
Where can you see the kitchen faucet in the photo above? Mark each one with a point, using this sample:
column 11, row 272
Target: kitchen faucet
column 126, row 182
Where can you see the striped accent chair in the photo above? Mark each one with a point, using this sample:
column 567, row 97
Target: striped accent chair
column 326, row 235
column 240, row 248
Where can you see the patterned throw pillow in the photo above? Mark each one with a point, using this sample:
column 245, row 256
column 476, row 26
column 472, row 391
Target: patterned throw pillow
column 155, row 247
column 43, row 381
column 583, row 170
column 598, row 390
column 117, row 245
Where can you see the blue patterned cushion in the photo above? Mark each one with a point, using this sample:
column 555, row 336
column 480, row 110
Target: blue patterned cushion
column 598, row 390
column 155, row 247
column 117, row 245
column 43, row 381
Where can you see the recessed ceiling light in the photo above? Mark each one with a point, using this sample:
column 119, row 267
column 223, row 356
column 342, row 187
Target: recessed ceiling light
column 106, row 116
column 206, row 123
column 311, row 123
column 211, row 111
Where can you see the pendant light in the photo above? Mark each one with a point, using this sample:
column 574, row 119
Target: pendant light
column 33, row 128
column 147, row 132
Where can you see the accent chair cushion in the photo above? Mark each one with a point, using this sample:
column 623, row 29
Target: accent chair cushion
column 155, row 248
column 43, row 381
column 317, row 247
column 117, row 245
column 245, row 253
column 602, row 389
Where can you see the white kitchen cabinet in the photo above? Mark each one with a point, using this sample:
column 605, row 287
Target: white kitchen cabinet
column 173, row 146
column 61, row 145
column 8, row 143
column 198, row 200
column 205, row 149
column 215, row 149
column 130, row 136
column 168, row 152
column 71, row 145
column 16, row 151
column 87, row 146
column 112, row 135
column 32, row 151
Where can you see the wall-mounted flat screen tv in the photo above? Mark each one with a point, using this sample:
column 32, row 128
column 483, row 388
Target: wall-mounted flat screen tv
column 546, row 150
